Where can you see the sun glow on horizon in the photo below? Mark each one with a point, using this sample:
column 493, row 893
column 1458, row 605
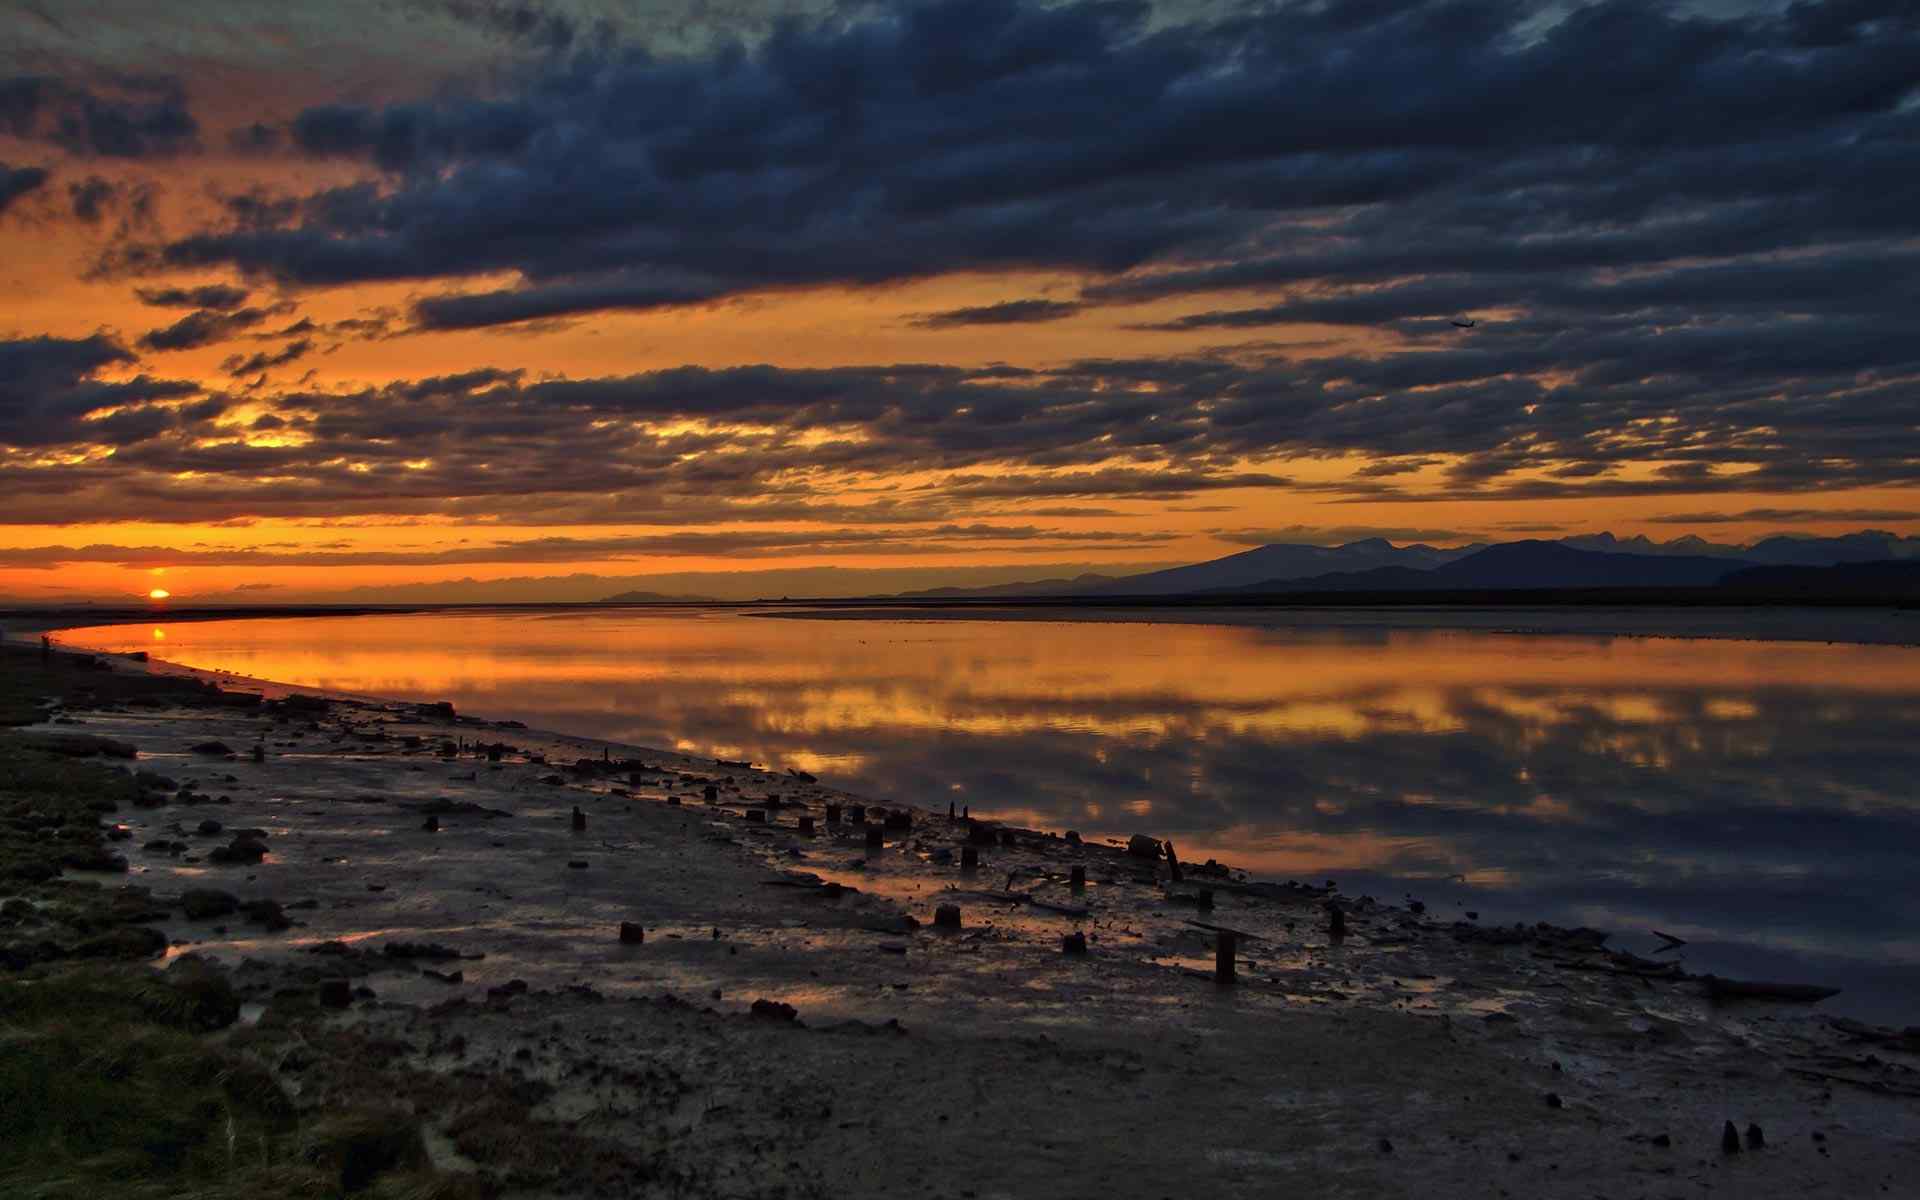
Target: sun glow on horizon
column 158, row 594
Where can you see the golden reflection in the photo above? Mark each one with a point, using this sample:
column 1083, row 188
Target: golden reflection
column 1115, row 727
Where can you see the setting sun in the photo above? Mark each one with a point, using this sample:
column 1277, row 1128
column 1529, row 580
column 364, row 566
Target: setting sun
column 158, row 594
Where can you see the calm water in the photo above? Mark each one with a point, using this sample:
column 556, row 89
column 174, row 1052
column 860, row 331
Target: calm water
column 1761, row 800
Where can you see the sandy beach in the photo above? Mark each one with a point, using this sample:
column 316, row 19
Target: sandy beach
column 598, row 969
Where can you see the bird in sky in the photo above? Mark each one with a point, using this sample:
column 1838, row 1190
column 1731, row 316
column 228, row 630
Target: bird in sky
column 1467, row 324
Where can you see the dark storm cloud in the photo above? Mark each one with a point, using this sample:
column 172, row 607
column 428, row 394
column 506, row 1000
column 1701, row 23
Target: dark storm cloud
column 483, row 309
column 1687, row 243
column 215, row 296
column 129, row 117
column 956, row 136
column 1011, row 312
column 49, row 397
column 253, row 364
column 495, row 443
column 16, row 182
column 206, row 326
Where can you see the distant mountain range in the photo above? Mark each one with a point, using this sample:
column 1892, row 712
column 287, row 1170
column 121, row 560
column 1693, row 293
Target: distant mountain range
column 1513, row 566
column 1598, row 560
column 1278, row 563
column 1078, row 585
column 1868, row 545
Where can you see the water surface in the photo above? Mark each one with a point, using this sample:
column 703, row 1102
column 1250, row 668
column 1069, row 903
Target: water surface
column 1754, row 798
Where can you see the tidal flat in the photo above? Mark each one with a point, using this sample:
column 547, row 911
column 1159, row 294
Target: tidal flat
column 564, row 966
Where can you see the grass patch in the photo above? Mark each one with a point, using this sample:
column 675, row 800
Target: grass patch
column 110, row 1086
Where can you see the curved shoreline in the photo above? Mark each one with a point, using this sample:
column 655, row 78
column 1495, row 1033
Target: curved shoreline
column 1438, row 1039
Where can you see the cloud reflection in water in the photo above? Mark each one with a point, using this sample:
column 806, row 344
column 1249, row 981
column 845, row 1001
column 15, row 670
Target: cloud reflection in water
column 1753, row 797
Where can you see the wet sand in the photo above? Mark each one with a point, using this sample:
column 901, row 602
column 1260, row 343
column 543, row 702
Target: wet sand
column 1418, row 1055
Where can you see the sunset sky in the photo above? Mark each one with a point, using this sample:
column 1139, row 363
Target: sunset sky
column 301, row 299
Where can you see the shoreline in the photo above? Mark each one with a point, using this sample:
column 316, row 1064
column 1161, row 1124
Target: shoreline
column 1837, row 623
column 1439, row 1038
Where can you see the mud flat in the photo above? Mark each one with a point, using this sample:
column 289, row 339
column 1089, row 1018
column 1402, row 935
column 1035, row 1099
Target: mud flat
column 581, row 968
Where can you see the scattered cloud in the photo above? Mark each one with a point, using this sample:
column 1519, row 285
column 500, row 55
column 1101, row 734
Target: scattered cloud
column 1011, row 312
column 16, row 182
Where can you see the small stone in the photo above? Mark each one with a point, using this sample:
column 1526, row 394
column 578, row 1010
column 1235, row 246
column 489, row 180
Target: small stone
column 577, row 864
column 1554, row 1101
column 631, row 934
column 335, row 993
column 267, row 913
column 209, row 828
column 1073, row 943
column 243, row 849
column 1756, row 1138
column 431, row 824
column 1730, row 1139
column 1386, row 1146
column 208, row 903
column 947, row 916
column 773, row 1010
column 1661, row 1140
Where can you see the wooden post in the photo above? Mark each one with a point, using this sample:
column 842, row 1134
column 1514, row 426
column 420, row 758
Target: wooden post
column 1079, row 879
column 1223, row 955
column 579, row 820
column 806, row 824
column 833, row 814
column 1173, row 861
column 969, row 858
column 876, row 837
column 1205, row 899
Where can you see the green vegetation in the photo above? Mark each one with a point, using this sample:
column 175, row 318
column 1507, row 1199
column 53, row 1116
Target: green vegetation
column 111, row 1085
column 116, row 1079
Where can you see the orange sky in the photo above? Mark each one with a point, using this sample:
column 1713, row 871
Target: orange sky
column 55, row 287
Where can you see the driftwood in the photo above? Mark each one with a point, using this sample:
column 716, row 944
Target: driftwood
column 1671, row 941
column 1749, row 989
column 1239, row 933
column 1065, row 910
